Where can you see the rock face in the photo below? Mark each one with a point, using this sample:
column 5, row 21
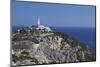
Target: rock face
column 57, row 47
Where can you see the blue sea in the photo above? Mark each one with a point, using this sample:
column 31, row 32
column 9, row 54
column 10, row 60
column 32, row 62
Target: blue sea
column 84, row 35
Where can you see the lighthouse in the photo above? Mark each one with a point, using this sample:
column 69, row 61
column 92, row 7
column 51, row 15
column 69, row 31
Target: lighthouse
column 41, row 27
column 38, row 22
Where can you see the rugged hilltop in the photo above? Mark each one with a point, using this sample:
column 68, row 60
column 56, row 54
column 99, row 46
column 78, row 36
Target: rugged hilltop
column 47, row 47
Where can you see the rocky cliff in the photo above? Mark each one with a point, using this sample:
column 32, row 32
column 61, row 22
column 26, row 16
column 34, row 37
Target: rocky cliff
column 48, row 48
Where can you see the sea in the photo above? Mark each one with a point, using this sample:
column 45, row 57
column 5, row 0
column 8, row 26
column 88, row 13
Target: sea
column 82, row 34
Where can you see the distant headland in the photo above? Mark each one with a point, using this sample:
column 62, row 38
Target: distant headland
column 42, row 45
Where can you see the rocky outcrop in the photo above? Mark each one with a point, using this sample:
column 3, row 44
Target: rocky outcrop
column 57, row 47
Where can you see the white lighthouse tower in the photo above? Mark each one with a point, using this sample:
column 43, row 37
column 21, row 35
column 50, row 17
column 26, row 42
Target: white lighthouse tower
column 42, row 27
column 38, row 22
column 39, row 25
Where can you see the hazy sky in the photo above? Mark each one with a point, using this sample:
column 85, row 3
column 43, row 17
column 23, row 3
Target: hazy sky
column 26, row 13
